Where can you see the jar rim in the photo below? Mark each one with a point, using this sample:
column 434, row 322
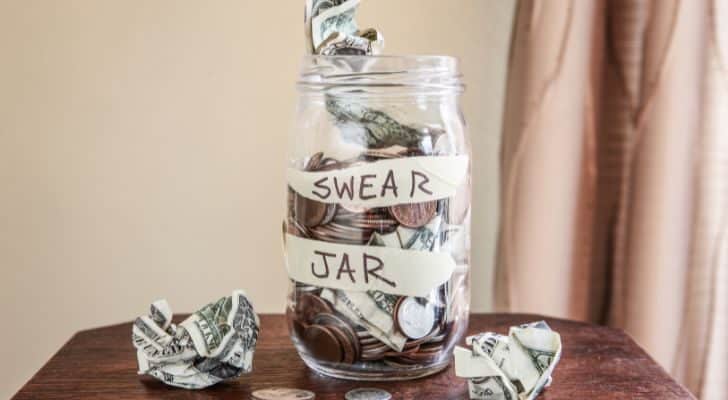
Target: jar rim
column 442, row 57
column 430, row 73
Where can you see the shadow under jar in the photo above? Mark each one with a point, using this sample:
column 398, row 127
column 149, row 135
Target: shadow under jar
column 377, row 231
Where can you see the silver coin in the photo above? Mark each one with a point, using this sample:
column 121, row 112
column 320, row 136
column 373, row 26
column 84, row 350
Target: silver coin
column 354, row 208
column 367, row 394
column 415, row 320
column 283, row 394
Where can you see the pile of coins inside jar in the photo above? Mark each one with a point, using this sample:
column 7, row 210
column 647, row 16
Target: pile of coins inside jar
column 338, row 326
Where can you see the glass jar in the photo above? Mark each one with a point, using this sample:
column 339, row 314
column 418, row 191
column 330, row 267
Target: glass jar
column 377, row 231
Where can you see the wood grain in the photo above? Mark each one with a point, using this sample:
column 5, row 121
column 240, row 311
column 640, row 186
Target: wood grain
column 597, row 363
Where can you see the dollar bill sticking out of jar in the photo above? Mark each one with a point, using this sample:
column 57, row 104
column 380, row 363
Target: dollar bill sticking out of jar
column 214, row 344
column 331, row 30
column 517, row 366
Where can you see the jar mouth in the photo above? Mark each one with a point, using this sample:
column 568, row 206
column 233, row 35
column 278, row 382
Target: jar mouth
column 425, row 73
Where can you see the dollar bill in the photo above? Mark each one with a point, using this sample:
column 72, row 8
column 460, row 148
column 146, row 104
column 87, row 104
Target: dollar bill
column 426, row 238
column 209, row 327
column 521, row 362
column 312, row 9
column 543, row 346
column 172, row 348
column 403, row 238
column 385, row 301
column 486, row 380
column 379, row 129
column 362, row 310
column 336, row 18
column 341, row 44
column 161, row 313
column 214, row 344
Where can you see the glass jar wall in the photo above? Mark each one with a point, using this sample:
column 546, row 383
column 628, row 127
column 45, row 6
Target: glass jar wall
column 377, row 231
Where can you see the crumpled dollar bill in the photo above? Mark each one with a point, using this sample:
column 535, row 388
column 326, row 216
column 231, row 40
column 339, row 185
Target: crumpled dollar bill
column 513, row 367
column 331, row 29
column 214, row 344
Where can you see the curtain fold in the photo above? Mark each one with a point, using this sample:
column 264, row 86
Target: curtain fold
column 614, row 175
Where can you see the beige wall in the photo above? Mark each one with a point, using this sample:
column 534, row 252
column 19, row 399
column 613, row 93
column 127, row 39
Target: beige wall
column 141, row 152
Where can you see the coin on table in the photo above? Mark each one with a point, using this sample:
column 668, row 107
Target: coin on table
column 367, row 394
column 414, row 215
column 415, row 320
column 283, row 394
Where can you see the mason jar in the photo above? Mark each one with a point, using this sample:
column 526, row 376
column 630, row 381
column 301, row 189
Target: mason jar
column 377, row 231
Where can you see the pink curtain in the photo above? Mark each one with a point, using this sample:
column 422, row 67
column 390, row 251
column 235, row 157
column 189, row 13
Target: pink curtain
column 614, row 175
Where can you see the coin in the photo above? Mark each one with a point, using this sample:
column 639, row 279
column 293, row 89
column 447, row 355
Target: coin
column 344, row 332
column 283, row 394
column 415, row 320
column 309, row 305
column 299, row 327
column 310, row 213
column 354, row 208
column 371, row 340
column 404, row 352
column 322, row 343
column 314, row 162
column 414, row 215
column 367, row 394
column 347, row 346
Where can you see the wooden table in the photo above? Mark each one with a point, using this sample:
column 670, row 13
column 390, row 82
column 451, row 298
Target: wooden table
column 597, row 363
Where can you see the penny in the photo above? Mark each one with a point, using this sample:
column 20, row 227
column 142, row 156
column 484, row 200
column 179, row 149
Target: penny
column 367, row 394
column 415, row 320
column 314, row 162
column 430, row 349
column 414, row 215
column 349, row 340
column 397, row 363
column 372, row 357
column 347, row 346
column 298, row 327
column 401, row 362
column 294, row 228
column 373, row 352
column 323, row 344
column 437, row 338
column 283, row 394
column 363, row 333
column 310, row 213
column 309, row 305
column 420, row 357
column 368, row 341
column 404, row 352
column 378, row 348
column 416, row 343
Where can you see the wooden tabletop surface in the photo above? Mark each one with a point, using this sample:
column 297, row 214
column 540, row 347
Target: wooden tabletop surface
column 597, row 363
